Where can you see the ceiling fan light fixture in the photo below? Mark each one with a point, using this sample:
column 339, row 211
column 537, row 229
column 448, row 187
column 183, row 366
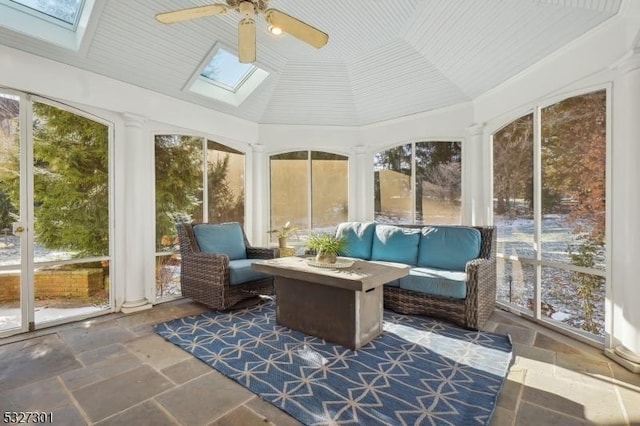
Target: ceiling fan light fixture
column 274, row 30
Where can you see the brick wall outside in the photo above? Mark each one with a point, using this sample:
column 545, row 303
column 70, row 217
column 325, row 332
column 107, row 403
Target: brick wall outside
column 54, row 283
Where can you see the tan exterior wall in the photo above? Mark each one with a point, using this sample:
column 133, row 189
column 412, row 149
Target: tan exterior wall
column 289, row 195
column 395, row 200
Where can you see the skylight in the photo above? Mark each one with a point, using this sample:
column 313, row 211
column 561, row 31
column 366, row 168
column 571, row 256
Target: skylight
column 60, row 22
column 66, row 12
column 225, row 69
column 221, row 76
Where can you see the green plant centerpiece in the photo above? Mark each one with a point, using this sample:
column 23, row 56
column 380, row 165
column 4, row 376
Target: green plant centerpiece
column 326, row 246
column 283, row 233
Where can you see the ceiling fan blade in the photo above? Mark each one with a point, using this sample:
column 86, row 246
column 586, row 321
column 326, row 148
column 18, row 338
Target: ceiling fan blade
column 296, row 28
column 247, row 41
column 191, row 13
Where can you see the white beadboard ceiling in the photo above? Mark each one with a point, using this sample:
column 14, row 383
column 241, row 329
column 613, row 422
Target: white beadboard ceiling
column 385, row 58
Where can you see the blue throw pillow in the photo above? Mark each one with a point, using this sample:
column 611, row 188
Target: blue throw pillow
column 224, row 238
column 448, row 247
column 395, row 244
column 359, row 237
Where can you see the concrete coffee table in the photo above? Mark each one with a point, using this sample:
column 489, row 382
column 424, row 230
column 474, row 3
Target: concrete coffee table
column 342, row 306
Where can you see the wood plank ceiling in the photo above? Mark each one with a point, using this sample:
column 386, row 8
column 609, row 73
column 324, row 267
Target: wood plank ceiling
column 385, row 58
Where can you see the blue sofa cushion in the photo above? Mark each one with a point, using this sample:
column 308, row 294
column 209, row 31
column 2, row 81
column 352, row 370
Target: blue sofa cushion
column 359, row 237
column 394, row 283
column 448, row 247
column 395, row 244
column 224, row 238
column 240, row 271
column 436, row 281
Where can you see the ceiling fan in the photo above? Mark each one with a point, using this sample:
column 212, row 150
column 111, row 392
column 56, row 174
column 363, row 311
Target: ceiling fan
column 247, row 26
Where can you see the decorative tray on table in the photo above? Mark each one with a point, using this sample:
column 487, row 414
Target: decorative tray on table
column 341, row 263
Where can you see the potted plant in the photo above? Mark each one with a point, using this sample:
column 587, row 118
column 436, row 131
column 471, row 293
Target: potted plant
column 283, row 233
column 326, row 246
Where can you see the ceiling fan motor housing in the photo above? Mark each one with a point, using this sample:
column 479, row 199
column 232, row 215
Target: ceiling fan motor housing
column 259, row 5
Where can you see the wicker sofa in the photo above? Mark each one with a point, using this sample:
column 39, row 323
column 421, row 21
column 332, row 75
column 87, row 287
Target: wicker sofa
column 216, row 265
column 453, row 274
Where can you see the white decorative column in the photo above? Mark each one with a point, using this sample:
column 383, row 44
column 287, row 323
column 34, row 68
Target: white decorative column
column 139, row 155
column 475, row 209
column 624, row 344
column 360, row 188
column 259, row 210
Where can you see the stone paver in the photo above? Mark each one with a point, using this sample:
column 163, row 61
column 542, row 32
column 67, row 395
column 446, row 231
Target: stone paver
column 115, row 370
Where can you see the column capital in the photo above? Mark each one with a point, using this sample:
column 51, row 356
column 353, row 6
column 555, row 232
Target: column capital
column 475, row 129
column 257, row 147
column 359, row 149
column 133, row 120
column 630, row 63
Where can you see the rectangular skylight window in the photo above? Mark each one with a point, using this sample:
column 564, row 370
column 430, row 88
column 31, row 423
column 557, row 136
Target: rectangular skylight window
column 222, row 77
column 225, row 69
column 65, row 12
column 60, row 22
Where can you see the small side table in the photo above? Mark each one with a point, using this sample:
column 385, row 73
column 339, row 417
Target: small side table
column 287, row 251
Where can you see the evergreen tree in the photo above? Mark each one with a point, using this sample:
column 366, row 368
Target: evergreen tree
column 9, row 166
column 71, row 186
column 178, row 161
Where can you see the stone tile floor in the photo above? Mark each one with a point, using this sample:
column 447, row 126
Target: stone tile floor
column 114, row 370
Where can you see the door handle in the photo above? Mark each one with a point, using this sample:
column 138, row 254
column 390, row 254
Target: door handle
column 18, row 229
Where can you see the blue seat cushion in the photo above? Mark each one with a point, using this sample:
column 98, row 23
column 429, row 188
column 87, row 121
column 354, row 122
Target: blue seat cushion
column 240, row 271
column 359, row 237
column 224, row 238
column 436, row 281
column 395, row 244
column 448, row 247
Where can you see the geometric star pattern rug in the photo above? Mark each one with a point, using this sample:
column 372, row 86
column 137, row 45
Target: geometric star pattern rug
column 419, row 371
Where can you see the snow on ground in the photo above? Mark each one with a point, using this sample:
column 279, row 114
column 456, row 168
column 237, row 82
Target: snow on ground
column 559, row 291
column 10, row 317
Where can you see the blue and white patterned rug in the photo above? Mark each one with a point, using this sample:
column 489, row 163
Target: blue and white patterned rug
column 420, row 371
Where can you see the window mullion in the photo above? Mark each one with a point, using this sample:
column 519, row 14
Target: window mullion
column 413, row 184
column 205, row 182
column 309, row 191
column 537, row 209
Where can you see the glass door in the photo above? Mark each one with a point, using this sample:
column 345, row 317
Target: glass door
column 55, row 212
column 12, row 248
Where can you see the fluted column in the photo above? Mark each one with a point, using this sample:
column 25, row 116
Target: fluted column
column 625, row 250
column 475, row 206
column 139, row 153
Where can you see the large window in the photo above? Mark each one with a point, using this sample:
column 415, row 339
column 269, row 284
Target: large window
column 309, row 189
column 418, row 183
column 196, row 180
column 549, row 207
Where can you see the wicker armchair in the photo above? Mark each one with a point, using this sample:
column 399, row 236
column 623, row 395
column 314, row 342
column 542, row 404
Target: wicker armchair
column 205, row 277
column 471, row 312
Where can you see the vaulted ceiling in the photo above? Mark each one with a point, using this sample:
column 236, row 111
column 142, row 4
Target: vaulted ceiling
column 384, row 59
